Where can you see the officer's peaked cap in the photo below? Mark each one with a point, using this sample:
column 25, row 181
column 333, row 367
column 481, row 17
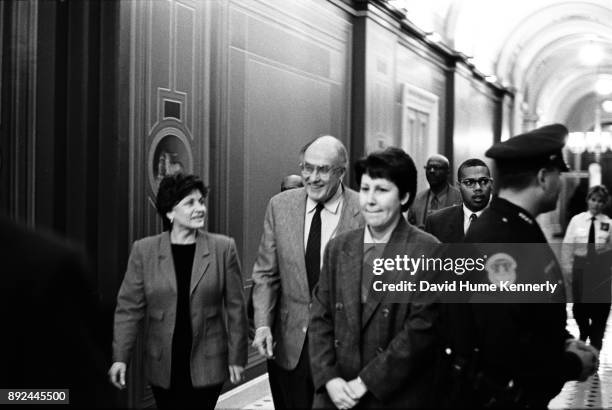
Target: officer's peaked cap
column 540, row 147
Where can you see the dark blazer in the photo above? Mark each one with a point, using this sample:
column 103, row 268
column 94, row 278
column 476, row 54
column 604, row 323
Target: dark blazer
column 281, row 296
column 49, row 309
column 391, row 346
column 446, row 224
column 218, row 313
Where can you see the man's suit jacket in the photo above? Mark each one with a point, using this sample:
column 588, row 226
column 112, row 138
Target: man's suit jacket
column 418, row 211
column 446, row 224
column 392, row 346
column 49, row 313
column 281, row 297
column 216, row 292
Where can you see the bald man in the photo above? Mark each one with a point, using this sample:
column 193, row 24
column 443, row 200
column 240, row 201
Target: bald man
column 291, row 182
column 297, row 226
column 439, row 195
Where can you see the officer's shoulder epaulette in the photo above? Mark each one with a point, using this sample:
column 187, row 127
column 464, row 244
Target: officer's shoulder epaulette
column 525, row 218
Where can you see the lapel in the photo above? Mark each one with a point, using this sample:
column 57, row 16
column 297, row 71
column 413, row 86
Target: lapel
column 349, row 213
column 350, row 280
column 201, row 260
column 166, row 264
column 296, row 214
column 396, row 246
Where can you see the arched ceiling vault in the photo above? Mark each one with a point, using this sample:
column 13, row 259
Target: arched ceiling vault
column 532, row 46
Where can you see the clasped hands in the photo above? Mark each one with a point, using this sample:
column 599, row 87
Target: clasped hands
column 343, row 394
column 588, row 355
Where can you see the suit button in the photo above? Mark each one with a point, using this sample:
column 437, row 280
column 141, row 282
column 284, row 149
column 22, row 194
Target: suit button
column 336, row 343
column 339, row 306
column 385, row 312
column 304, row 329
column 379, row 350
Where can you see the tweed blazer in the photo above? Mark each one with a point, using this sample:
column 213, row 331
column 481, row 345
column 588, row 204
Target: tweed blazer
column 391, row 346
column 446, row 224
column 218, row 310
column 281, row 298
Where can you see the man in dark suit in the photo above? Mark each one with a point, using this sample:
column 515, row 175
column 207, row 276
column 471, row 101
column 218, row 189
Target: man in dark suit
column 449, row 225
column 48, row 313
column 297, row 226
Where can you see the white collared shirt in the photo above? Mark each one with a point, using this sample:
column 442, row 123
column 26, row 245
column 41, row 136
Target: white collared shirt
column 330, row 217
column 466, row 217
column 579, row 226
column 577, row 236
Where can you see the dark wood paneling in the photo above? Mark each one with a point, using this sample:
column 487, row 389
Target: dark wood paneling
column 477, row 119
column 63, row 131
column 288, row 82
column 18, row 107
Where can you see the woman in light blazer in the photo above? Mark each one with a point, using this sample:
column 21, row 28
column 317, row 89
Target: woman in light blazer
column 187, row 284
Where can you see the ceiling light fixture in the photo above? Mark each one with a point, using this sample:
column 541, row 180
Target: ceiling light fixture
column 591, row 54
column 603, row 86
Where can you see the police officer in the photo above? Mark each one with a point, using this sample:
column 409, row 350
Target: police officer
column 520, row 354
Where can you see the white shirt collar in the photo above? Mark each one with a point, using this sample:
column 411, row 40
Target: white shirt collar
column 589, row 215
column 332, row 205
column 467, row 212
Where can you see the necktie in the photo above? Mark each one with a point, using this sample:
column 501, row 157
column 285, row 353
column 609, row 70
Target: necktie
column 592, row 230
column 591, row 242
column 472, row 218
column 435, row 204
column 313, row 249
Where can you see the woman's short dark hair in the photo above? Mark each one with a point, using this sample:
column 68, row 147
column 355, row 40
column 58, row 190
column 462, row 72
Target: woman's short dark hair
column 392, row 164
column 599, row 190
column 172, row 189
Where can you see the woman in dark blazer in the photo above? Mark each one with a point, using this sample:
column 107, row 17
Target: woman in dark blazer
column 187, row 284
column 365, row 350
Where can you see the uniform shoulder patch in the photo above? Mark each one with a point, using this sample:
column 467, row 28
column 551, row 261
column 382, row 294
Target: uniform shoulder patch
column 501, row 267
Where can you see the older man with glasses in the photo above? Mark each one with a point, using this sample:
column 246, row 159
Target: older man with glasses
column 297, row 226
column 449, row 225
column 439, row 195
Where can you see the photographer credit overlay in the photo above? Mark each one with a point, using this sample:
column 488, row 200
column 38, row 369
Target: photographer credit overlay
column 488, row 273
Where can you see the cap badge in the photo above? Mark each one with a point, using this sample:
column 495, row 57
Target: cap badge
column 501, row 267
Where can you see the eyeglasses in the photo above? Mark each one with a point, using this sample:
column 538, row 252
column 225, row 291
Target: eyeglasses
column 324, row 170
column 435, row 167
column 471, row 182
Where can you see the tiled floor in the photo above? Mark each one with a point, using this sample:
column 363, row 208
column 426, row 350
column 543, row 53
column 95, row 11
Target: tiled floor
column 596, row 392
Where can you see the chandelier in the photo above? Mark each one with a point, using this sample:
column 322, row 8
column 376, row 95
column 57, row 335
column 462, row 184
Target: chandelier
column 595, row 142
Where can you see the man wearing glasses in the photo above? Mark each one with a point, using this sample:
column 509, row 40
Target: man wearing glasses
column 297, row 226
column 449, row 225
column 439, row 195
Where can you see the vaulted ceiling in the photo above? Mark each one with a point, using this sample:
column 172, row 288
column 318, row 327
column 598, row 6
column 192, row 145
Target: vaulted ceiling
column 553, row 53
